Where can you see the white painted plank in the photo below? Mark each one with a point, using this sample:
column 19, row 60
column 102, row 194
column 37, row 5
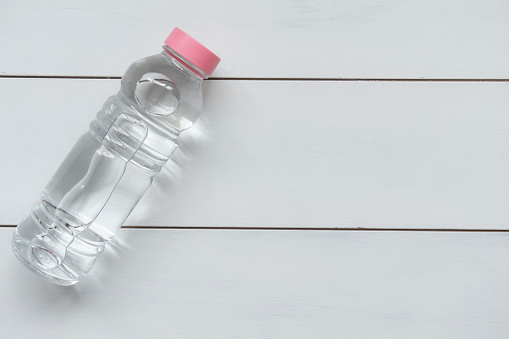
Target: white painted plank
column 271, row 284
column 290, row 154
column 367, row 38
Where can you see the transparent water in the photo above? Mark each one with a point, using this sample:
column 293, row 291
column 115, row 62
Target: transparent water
column 109, row 168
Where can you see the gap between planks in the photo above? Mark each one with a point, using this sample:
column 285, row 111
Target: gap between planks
column 80, row 77
column 355, row 229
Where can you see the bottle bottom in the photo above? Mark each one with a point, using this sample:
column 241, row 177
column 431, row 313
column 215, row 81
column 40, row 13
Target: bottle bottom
column 43, row 254
column 21, row 252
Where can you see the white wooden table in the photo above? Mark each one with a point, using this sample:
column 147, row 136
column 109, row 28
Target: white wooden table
column 349, row 176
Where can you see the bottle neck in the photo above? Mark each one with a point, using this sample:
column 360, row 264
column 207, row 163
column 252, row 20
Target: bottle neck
column 181, row 62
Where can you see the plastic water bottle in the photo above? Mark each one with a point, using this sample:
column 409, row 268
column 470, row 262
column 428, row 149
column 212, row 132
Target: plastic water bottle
column 112, row 165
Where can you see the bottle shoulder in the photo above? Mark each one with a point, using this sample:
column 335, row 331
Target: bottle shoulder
column 161, row 90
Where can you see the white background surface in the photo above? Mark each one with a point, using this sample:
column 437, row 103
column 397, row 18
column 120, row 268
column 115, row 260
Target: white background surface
column 285, row 38
column 415, row 157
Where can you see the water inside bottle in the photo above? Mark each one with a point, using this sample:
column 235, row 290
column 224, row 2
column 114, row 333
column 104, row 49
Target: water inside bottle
column 108, row 170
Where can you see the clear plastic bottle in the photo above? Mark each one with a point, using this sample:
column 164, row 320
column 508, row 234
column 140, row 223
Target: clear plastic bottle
column 112, row 165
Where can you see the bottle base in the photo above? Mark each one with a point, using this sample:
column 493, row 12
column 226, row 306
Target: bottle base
column 46, row 276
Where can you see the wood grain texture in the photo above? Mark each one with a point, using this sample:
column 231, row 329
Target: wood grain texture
column 270, row 284
column 290, row 154
column 348, row 39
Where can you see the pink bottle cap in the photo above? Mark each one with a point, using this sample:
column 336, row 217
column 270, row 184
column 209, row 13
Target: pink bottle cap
column 192, row 50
